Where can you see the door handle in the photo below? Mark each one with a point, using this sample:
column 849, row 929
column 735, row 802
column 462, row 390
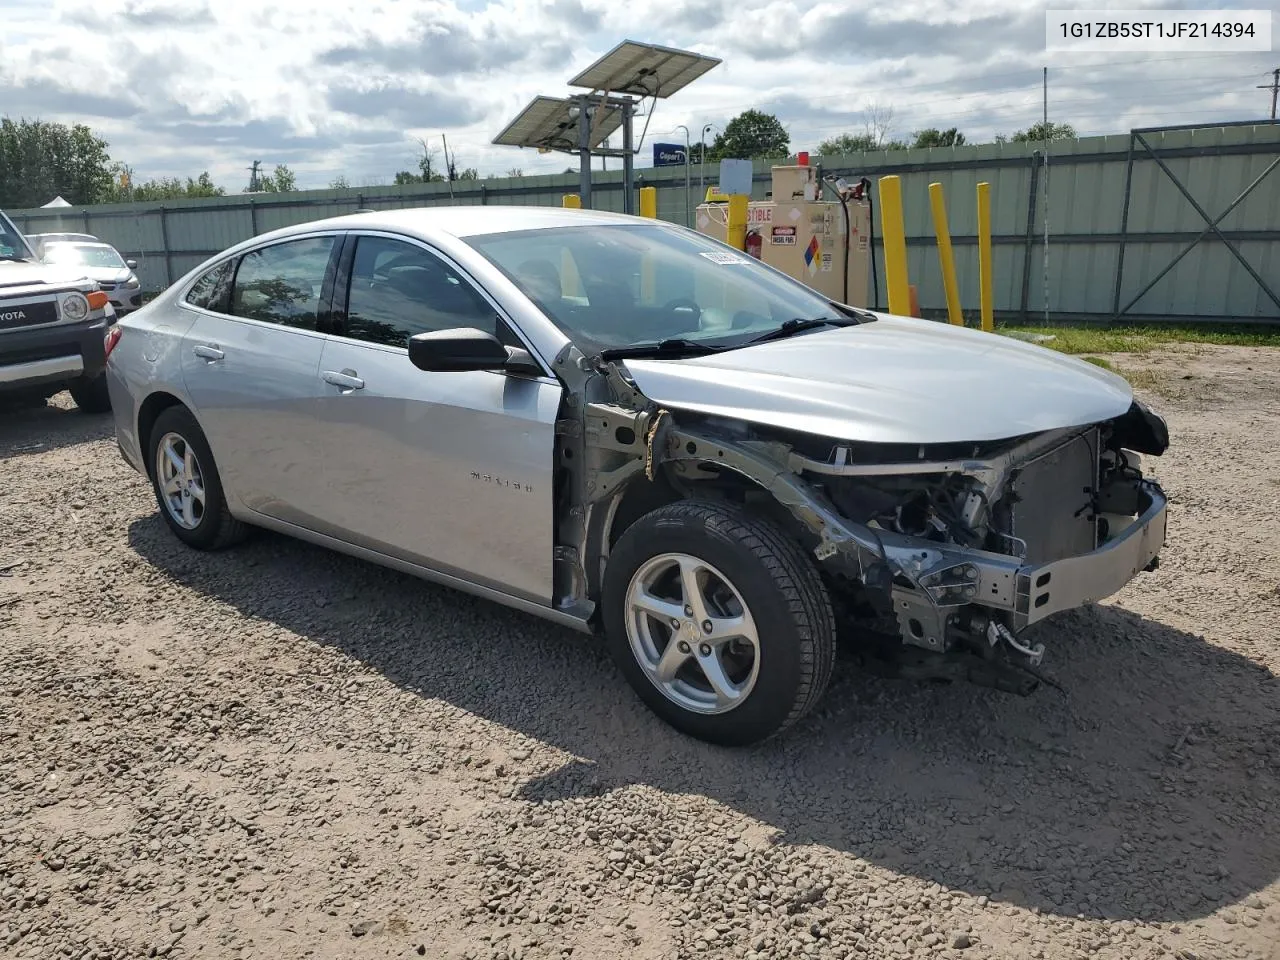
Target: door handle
column 347, row 379
column 208, row 352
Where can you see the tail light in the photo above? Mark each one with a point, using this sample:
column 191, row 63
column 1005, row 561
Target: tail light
column 110, row 340
column 97, row 299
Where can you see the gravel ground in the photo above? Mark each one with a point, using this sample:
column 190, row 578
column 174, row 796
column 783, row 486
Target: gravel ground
column 279, row 751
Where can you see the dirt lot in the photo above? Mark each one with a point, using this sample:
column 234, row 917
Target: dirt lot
column 277, row 751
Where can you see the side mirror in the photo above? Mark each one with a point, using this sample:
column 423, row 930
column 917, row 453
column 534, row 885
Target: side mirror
column 131, row 264
column 466, row 348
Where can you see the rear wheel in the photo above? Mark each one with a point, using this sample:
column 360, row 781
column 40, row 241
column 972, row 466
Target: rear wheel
column 186, row 483
column 90, row 393
column 719, row 621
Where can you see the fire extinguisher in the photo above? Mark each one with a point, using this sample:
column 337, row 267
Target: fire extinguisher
column 754, row 244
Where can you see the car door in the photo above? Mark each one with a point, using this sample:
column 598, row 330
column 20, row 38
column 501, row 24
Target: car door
column 449, row 470
column 250, row 364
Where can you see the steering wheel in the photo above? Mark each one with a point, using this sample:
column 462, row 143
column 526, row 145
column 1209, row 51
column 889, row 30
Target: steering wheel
column 671, row 306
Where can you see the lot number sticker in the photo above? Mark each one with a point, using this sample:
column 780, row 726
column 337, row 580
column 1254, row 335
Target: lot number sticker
column 716, row 257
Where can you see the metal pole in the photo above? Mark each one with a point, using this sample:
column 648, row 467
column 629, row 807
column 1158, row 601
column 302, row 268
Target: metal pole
column 164, row 238
column 1046, row 194
column 584, row 152
column 688, row 146
column 702, row 160
column 1124, row 228
column 1032, row 197
column 893, row 231
column 986, row 288
column 946, row 260
column 628, row 160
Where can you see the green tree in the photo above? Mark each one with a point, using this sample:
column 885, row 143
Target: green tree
column 847, row 143
column 933, row 137
column 751, row 135
column 471, row 173
column 339, row 183
column 40, row 160
column 1039, row 132
column 280, row 180
column 126, row 190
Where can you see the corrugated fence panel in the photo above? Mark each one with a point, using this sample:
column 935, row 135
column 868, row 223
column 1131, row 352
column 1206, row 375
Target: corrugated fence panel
column 1085, row 197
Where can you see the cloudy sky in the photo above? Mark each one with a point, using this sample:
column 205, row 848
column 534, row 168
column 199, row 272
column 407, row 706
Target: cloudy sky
column 344, row 87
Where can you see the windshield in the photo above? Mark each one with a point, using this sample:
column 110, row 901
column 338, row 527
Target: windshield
column 12, row 245
column 82, row 255
column 611, row 286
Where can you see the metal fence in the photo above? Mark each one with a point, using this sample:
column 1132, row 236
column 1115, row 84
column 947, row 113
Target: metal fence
column 1169, row 224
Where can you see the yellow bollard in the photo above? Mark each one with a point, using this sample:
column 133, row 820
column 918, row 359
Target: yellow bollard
column 894, row 232
column 572, row 200
column 736, row 227
column 648, row 278
column 984, row 256
column 649, row 202
column 945, row 257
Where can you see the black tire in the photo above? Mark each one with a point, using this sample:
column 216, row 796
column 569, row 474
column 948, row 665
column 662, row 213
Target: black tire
column 91, row 394
column 786, row 599
column 215, row 527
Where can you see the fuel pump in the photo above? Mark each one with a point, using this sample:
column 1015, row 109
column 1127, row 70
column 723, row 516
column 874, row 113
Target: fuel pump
column 823, row 243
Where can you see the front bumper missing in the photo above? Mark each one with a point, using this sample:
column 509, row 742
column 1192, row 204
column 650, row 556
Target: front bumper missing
column 928, row 581
column 951, row 577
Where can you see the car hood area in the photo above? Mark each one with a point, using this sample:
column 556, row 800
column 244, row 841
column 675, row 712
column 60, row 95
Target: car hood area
column 29, row 272
column 893, row 380
column 108, row 274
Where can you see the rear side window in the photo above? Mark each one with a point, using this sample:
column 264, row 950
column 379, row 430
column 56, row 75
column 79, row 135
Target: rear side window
column 282, row 283
column 213, row 289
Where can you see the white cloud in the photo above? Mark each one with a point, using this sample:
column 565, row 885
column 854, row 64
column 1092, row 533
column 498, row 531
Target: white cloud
column 345, row 86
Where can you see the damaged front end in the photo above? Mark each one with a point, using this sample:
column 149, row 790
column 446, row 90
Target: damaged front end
column 938, row 558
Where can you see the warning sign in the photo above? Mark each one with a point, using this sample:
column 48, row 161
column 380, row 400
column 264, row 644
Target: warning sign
column 812, row 257
column 826, row 263
column 760, row 215
column 783, row 236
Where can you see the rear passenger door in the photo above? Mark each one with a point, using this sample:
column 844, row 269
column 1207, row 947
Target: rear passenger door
column 250, row 363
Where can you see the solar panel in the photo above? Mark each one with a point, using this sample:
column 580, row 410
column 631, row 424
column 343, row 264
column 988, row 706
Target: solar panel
column 644, row 70
column 545, row 123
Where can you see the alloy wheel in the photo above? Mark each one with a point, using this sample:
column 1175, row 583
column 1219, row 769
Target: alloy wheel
column 692, row 633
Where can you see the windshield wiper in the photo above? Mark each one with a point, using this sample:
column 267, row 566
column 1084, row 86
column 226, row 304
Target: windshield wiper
column 664, row 348
column 7, row 258
column 797, row 324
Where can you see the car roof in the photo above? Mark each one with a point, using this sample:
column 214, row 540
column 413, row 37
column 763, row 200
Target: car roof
column 86, row 237
column 78, row 243
column 464, row 221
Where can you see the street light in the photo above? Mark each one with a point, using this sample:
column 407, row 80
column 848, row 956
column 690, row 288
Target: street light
column 688, row 146
column 702, row 158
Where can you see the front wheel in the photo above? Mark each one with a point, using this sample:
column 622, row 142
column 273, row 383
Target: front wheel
column 91, row 394
column 719, row 621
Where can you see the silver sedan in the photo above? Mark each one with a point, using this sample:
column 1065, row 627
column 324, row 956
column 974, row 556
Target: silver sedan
column 633, row 430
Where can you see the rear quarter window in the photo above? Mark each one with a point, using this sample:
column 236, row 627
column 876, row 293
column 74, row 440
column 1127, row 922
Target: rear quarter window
column 212, row 291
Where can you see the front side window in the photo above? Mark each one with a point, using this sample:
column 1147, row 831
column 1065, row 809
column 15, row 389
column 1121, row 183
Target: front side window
column 608, row 286
column 399, row 289
column 213, row 288
column 282, row 283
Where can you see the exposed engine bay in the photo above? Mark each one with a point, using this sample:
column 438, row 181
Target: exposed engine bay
column 938, row 557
